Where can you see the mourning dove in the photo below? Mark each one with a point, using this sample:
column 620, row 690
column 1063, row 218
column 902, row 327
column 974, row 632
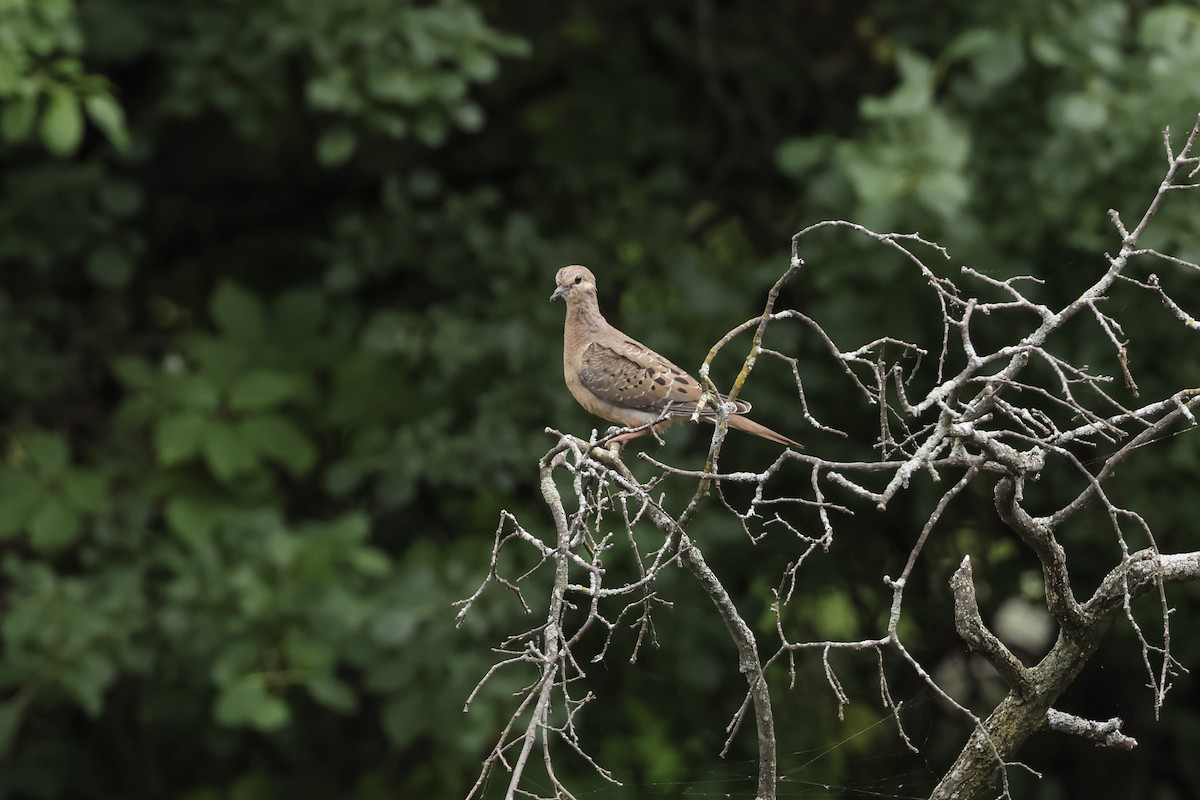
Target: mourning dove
column 622, row 380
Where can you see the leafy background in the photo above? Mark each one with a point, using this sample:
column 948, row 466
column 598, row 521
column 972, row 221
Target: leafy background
column 275, row 350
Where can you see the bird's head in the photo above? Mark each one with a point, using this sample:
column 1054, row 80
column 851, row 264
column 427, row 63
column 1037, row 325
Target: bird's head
column 573, row 283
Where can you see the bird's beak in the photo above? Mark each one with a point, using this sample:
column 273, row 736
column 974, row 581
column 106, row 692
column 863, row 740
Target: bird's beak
column 559, row 291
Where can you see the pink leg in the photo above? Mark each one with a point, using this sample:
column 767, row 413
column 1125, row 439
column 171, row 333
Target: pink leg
column 624, row 438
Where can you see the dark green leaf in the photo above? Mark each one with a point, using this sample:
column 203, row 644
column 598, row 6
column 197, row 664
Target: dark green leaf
column 281, row 440
column 402, row 719
column 88, row 678
column 247, row 703
column 193, row 518
column 264, row 389
column 194, row 391
column 234, row 661
column 398, row 85
column 122, row 198
column 54, row 525
column 20, row 493
column 298, row 313
column 86, row 492
column 229, row 453
column 237, row 312
column 336, row 146
column 109, row 266
column 16, row 118
column 134, row 372
column 47, row 452
column 329, row 691
column 179, row 436
column 11, row 714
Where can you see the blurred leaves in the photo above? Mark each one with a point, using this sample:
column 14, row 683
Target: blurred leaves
column 43, row 83
column 276, row 346
column 43, row 495
column 389, row 69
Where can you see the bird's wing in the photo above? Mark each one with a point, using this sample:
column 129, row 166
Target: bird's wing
column 630, row 375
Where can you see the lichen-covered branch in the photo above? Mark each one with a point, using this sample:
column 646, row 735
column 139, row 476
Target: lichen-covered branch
column 970, row 626
column 1024, row 711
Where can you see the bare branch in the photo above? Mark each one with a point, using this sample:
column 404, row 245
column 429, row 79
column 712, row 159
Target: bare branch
column 1005, row 399
column 971, row 628
column 1104, row 734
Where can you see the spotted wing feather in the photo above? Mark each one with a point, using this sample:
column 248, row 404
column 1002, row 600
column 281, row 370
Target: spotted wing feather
column 631, row 375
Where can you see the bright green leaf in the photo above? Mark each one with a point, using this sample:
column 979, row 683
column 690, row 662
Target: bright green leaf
column 271, row 715
column 109, row 117
column 62, row 122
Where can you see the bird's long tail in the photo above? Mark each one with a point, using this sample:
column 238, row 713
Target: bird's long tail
column 748, row 425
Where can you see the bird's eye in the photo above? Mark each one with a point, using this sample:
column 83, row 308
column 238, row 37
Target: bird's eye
column 578, row 279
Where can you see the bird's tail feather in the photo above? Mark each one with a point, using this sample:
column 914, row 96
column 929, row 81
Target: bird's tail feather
column 747, row 425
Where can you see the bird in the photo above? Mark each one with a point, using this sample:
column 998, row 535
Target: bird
column 622, row 380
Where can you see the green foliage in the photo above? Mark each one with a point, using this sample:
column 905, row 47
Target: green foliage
column 1046, row 87
column 43, row 495
column 275, row 344
column 44, row 88
column 367, row 69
